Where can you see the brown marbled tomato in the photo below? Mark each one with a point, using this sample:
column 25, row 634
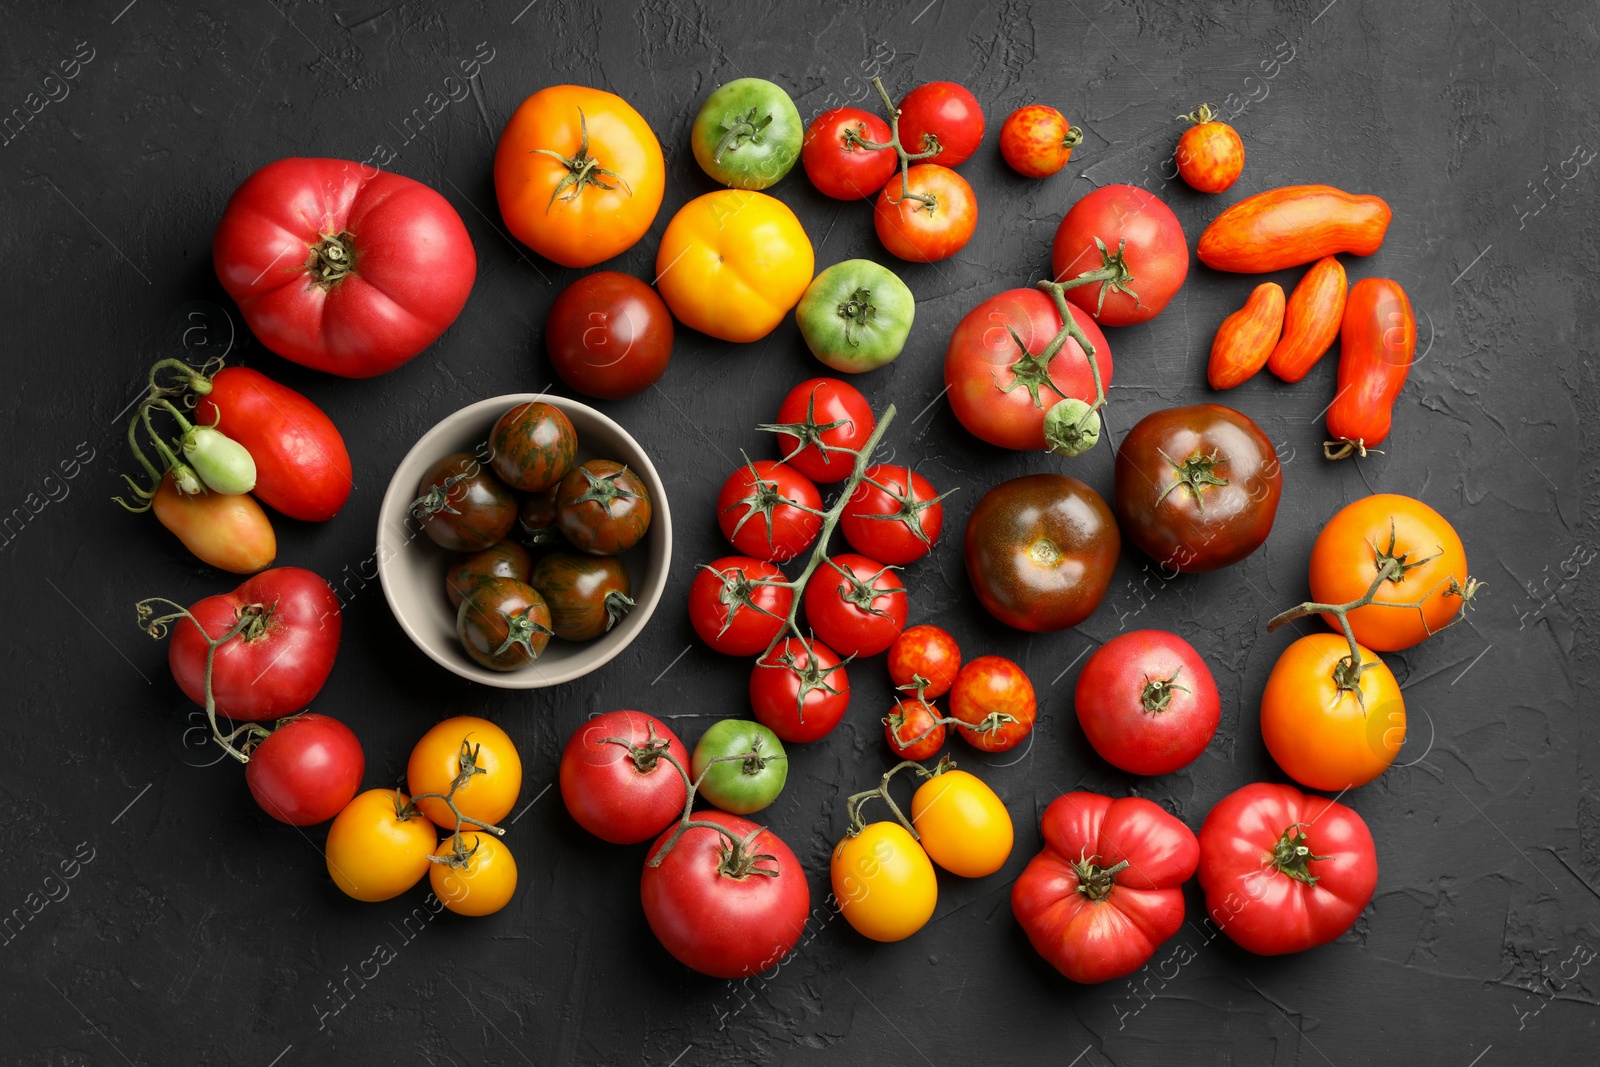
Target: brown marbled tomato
column 602, row 508
column 504, row 560
column 504, row 624
column 533, row 446
column 587, row 595
column 1040, row 551
column 462, row 505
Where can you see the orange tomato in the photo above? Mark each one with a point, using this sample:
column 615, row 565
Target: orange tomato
column 1354, row 544
column 484, row 885
column 373, row 854
column 1310, row 320
column 965, row 827
column 1246, row 338
column 1320, row 734
column 579, row 175
column 487, row 796
column 228, row 531
column 1291, row 225
column 1210, row 154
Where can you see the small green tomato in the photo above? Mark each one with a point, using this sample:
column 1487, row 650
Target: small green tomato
column 740, row 786
column 856, row 315
column 221, row 462
column 1071, row 427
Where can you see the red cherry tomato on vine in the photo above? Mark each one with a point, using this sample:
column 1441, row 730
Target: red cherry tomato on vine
column 1147, row 702
column 925, row 652
column 615, row 781
column 799, row 696
column 609, row 335
column 913, row 730
column 809, row 413
column 1038, row 141
column 731, row 612
column 306, row 770
column 947, row 112
column 895, row 515
column 1146, row 256
column 836, row 164
column 762, row 510
column 994, row 699
column 933, row 221
column 857, row 605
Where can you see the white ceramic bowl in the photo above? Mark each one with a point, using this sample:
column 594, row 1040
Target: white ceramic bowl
column 412, row 568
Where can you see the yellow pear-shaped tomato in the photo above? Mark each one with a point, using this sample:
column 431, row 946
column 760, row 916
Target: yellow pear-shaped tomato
column 964, row 826
column 884, row 882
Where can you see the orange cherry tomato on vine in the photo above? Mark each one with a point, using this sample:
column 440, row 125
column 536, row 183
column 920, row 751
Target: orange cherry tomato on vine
column 461, row 743
column 884, row 882
column 994, row 700
column 373, row 852
column 1318, row 731
column 484, row 885
column 963, row 825
column 1038, row 141
column 926, row 652
column 1387, row 527
column 913, row 730
column 1210, row 153
column 932, row 219
column 579, row 175
column 941, row 112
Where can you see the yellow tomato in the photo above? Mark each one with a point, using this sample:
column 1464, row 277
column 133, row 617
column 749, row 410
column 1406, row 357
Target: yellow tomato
column 733, row 263
column 436, row 761
column 884, row 882
column 964, row 827
column 1320, row 734
column 228, row 531
column 484, row 885
column 373, row 854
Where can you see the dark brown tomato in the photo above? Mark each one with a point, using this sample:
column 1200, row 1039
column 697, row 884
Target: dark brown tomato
column 504, row 624
column 602, row 508
column 462, row 505
column 505, row 560
column 587, row 595
column 537, row 518
column 533, row 446
column 1197, row 487
column 1040, row 551
column 609, row 335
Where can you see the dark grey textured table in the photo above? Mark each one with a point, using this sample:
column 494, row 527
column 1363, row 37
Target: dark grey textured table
column 198, row 931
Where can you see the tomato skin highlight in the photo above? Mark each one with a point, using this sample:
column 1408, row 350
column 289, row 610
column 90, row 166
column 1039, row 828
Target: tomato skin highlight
column 1156, row 253
column 1377, row 342
column 884, row 882
column 1246, row 339
column 1147, row 702
column 229, row 532
column 607, row 792
column 1291, row 225
column 302, row 466
column 1310, row 320
column 306, row 770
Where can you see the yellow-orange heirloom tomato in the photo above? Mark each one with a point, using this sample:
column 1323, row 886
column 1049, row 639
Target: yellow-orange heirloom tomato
column 1320, row 734
column 435, row 762
column 964, row 827
column 484, row 885
column 228, row 531
column 733, row 263
column 579, row 175
column 372, row 853
column 884, row 882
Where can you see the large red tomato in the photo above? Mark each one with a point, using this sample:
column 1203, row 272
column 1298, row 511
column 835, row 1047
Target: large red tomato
column 615, row 780
column 1283, row 871
column 710, row 908
column 998, row 387
column 1147, row 702
column 341, row 266
column 277, row 663
column 1108, row 888
column 1145, row 256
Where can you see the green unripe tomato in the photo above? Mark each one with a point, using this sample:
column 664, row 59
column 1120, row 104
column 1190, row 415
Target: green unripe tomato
column 222, row 463
column 740, row 787
column 748, row 134
column 856, row 315
column 1071, row 427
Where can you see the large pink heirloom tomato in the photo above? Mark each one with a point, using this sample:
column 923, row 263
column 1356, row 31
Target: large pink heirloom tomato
column 341, row 266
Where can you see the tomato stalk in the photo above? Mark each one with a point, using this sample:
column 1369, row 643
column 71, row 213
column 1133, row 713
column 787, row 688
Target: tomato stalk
column 251, row 623
column 857, row 801
column 931, row 147
column 1291, row 854
column 582, row 169
column 168, row 379
column 1094, row 881
column 1156, row 695
column 467, row 769
column 738, row 859
column 988, row 724
column 1072, row 437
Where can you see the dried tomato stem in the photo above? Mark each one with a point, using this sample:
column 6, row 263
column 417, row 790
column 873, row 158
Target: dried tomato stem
column 854, row 803
column 250, row 618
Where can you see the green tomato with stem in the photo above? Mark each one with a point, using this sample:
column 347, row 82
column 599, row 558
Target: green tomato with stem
column 748, row 134
column 856, row 315
column 222, row 463
column 740, row 786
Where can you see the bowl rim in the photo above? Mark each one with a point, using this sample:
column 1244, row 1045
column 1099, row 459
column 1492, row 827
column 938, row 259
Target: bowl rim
column 396, row 496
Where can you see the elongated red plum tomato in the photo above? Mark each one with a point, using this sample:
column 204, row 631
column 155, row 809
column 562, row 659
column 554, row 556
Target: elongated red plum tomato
column 943, row 114
column 999, row 387
column 1144, row 261
column 1197, row 487
column 926, row 653
column 1037, row 141
column 302, row 465
column 289, row 626
column 341, row 266
column 835, row 160
column 710, row 909
column 462, row 505
column 1040, row 551
column 799, row 695
column 609, row 335
column 769, row 510
column 895, row 515
column 820, row 417
column 932, row 220
column 732, row 610
column 1147, row 702
column 603, row 508
column 306, row 770
column 995, row 702
column 532, row 446
column 857, row 605
column 615, row 781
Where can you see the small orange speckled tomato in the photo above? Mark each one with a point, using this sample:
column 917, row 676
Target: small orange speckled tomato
column 1038, row 141
column 1210, row 153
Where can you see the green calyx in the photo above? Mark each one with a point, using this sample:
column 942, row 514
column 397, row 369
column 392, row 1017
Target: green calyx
column 857, row 312
column 742, row 129
column 583, row 170
column 1291, row 854
column 1194, row 474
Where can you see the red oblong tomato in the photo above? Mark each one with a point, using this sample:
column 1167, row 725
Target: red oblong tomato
column 616, row 781
column 710, row 911
column 277, row 664
column 933, row 221
column 1283, row 871
column 799, row 695
column 1377, row 340
column 341, row 266
column 1291, row 225
column 994, row 700
column 818, row 417
column 1145, row 257
column 927, row 653
column 1147, row 702
column 855, row 604
column 834, row 159
column 997, row 387
column 1107, row 889
column 306, row 771
column 302, row 465
column 609, row 335
column 769, row 510
column 894, row 515
column 732, row 611
column 944, row 113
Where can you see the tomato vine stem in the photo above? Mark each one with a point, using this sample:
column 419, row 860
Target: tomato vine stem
column 250, row 618
column 738, row 859
column 168, row 379
column 857, row 801
column 931, row 148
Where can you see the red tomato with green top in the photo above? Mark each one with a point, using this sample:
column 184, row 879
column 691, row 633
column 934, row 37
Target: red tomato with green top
column 857, row 605
column 769, row 510
column 1145, row 259
column 616, row 780
column 732, row 610
column 994, row 700
column 816, row 420
column 306, row 770
column 799, row 695
column 1147, row 702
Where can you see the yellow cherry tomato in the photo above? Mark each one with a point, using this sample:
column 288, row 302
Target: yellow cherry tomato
column 964, row 826
column 373, row 854
column 884, row 882
column 733, row 263
column 484, row 885
column 437, row 759
column 1320, row 734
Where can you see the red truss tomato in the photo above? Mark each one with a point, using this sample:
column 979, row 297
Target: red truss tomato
column 926, row 656
column 856, row 605
column 769, row 510
column 943, row 114
column 799, row 695
column 894, row 515
column 994, row 701
column 732, row 611
column 821, row 424
column 834, row 159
